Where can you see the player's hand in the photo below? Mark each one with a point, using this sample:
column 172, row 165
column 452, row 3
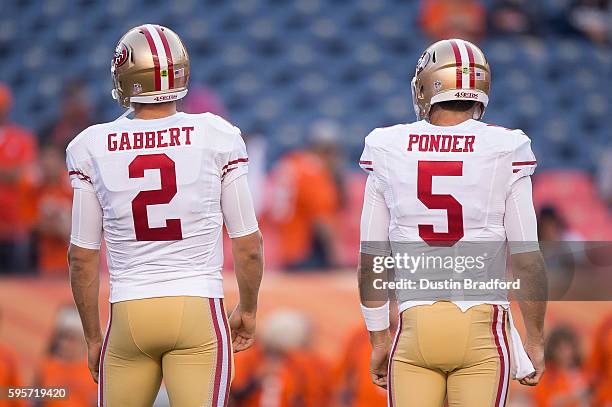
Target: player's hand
column 535, row 351
column 242, row 325
column 379, row 361
column 93, row 358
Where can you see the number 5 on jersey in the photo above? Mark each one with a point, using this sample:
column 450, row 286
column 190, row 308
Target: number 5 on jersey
column 167, row 175
column 454, row 210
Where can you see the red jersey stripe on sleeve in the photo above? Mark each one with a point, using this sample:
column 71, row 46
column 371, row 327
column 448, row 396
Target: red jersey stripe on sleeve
column 80, row 175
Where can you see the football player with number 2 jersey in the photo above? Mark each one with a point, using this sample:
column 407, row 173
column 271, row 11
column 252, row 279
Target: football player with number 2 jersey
column 159, row 187
column 444, row 180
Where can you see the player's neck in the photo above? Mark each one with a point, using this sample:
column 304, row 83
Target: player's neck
column 154, row 111
column 444, row 118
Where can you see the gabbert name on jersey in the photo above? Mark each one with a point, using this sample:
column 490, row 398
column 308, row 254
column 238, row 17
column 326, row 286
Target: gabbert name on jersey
column 173, row 136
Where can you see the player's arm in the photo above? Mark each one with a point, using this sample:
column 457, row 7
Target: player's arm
column 528, row 266
column 247, row 250
column 84, row 260
column 374, row 236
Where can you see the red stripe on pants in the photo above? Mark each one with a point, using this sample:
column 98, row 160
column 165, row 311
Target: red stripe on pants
column 102, row 355
column 502, row 360
column 229, row 352
column 219, row 364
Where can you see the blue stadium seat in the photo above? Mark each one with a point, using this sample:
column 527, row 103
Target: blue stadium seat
column 281, row 64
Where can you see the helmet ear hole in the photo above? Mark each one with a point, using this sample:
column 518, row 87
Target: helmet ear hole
column 433, row 58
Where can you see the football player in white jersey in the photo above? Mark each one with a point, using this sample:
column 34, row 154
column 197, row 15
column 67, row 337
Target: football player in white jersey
column 159, row 188
column 440, row 182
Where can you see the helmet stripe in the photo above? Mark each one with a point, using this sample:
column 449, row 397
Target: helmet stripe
column 471, row 58
column 164, row 41
column 149, row 37
column 162, row 58
column 458, row 63
column 465, row 64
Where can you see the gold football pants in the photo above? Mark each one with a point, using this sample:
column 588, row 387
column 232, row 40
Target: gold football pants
column 441, row 352
column 185, row 341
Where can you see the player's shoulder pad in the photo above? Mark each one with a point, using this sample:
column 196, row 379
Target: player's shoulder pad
column 381, row 136
column 220, row 124
column 80, row 142
column 512, row 138
column 520, row 139
column 494, row 128
column 224, row 135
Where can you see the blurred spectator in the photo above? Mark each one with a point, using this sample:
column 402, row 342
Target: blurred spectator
column 564, row 384
column 76, row 114
column 442, row 19
column 514, row 17
column 65, row 364
column 592, row 18
column 53, row 201
column 553, row 228
column 17, row 153
column 308, row 188
column 600, row 364
column 9, row 373
column 283, row 371
column 353, row 380
column 201, row 99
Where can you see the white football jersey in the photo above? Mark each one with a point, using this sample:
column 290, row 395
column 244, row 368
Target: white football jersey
column 159, row 185
column 450, row 189
column 446, row 184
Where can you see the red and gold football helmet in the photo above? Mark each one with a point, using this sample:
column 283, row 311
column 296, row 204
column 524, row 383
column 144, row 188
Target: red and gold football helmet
column 451, row 70
column 151, row 65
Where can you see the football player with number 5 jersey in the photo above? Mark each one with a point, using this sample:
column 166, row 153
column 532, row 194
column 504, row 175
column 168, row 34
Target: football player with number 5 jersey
column 159, row 187
column 443, row 182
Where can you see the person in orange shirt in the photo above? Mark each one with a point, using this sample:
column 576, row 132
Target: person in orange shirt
column 600, row 364
column 564, row 384
column 304, row 206
column 53, row 201
column 282, row 371
column 9, row 374
column 442, row 19
column 352, row 379
column 17, row 153
column 65, row 364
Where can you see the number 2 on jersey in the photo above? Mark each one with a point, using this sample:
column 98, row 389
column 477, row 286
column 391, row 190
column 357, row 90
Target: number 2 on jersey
column 167, row 175
column 454, row 211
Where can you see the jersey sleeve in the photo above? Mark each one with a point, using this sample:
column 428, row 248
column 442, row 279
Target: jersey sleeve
column 232, row 158
column 237, row 161
column 375, row 219
column 520, row 218
column 523, row 160
column 79, row 171
column 237, row 207
column 366, row 161
column 86, row 231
